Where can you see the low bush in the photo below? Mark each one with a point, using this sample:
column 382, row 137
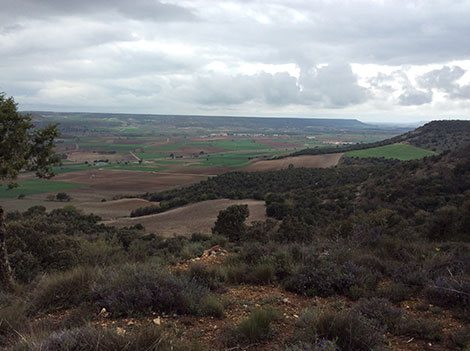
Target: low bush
column 256, row 327
column 320, row 345
column 89, row 338
column 351, row 331
column 381, row 311
column 461, row 338
column 139, row 289
column 262, row 273
column 63, row 290
column 12, row 319
column 211, row 276
column 453, row 292
column 395, row 292
column 321, row 278
column 421, row 328
column 210, row 306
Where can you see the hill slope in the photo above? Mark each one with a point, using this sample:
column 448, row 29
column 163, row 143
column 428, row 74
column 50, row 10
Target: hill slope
column 435, row 136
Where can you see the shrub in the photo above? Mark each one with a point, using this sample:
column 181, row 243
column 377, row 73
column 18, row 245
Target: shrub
column 89, row 338
column 381, row 311
column 210, row 306
column 421, row 328
column 210, row 276
column 256, row 327
column 63, row 197
column 63, row 290
column 351, row 331
column 262, row 273
column 12, row 319
column 449, row 292
column 319, row 345
column 237, row 273
column 140, row 289
column 395, row 292
column 461, row 338
column 321, row 278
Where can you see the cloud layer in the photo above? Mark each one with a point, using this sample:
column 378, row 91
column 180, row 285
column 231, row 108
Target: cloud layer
column 375, row 60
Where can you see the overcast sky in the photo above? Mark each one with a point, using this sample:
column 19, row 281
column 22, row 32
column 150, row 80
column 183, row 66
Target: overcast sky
column 373, row 60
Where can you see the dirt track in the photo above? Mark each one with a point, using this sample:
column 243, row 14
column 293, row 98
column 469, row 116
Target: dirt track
column 308, row 161
column 194, row 218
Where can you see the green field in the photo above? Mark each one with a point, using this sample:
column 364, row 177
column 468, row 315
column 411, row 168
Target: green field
column 396, row 151
column 149, row 155
column 118, row 166
column 230, row 159
column 36, row 186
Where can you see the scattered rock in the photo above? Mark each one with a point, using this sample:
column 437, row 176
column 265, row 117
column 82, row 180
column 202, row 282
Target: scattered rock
column 103, row 313
column 157, row 321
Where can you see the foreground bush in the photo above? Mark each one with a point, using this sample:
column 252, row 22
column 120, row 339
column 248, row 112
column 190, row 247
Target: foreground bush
column 320, row 345
column 63, row 290
column 12, row 319
column 453, row 292
column 381, row 311
column 321, row 278
column 254, row 328
column 351, row 331
column 96, row 339
column 139, row 289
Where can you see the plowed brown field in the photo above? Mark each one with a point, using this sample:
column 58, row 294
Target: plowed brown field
column 308, row 161
column 194, row 218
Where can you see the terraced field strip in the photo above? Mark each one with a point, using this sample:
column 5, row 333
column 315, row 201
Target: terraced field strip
column 36, row 186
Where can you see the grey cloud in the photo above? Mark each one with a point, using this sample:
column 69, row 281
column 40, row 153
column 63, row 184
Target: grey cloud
column 414, row 97
column 445, row 80
column 334, row 85
column 137, row 9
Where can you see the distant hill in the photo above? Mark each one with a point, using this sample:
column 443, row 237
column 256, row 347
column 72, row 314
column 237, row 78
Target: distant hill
column 75, row 121
column 437, row 136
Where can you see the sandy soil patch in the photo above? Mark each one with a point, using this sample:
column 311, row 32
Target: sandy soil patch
column 194, row 218
column 308, row 161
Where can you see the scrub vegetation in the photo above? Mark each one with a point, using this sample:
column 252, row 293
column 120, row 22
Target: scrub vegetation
column 371, row 254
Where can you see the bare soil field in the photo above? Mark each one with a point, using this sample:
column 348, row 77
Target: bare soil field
column 194, row 218
column 113, row 209
column 107, row 210
column 308, row 161
column 106, row 183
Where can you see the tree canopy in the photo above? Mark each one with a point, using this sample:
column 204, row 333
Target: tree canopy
column 22, row 146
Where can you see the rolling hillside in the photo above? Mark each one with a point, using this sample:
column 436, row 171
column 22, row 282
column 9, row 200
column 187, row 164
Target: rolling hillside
column 436, row 136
